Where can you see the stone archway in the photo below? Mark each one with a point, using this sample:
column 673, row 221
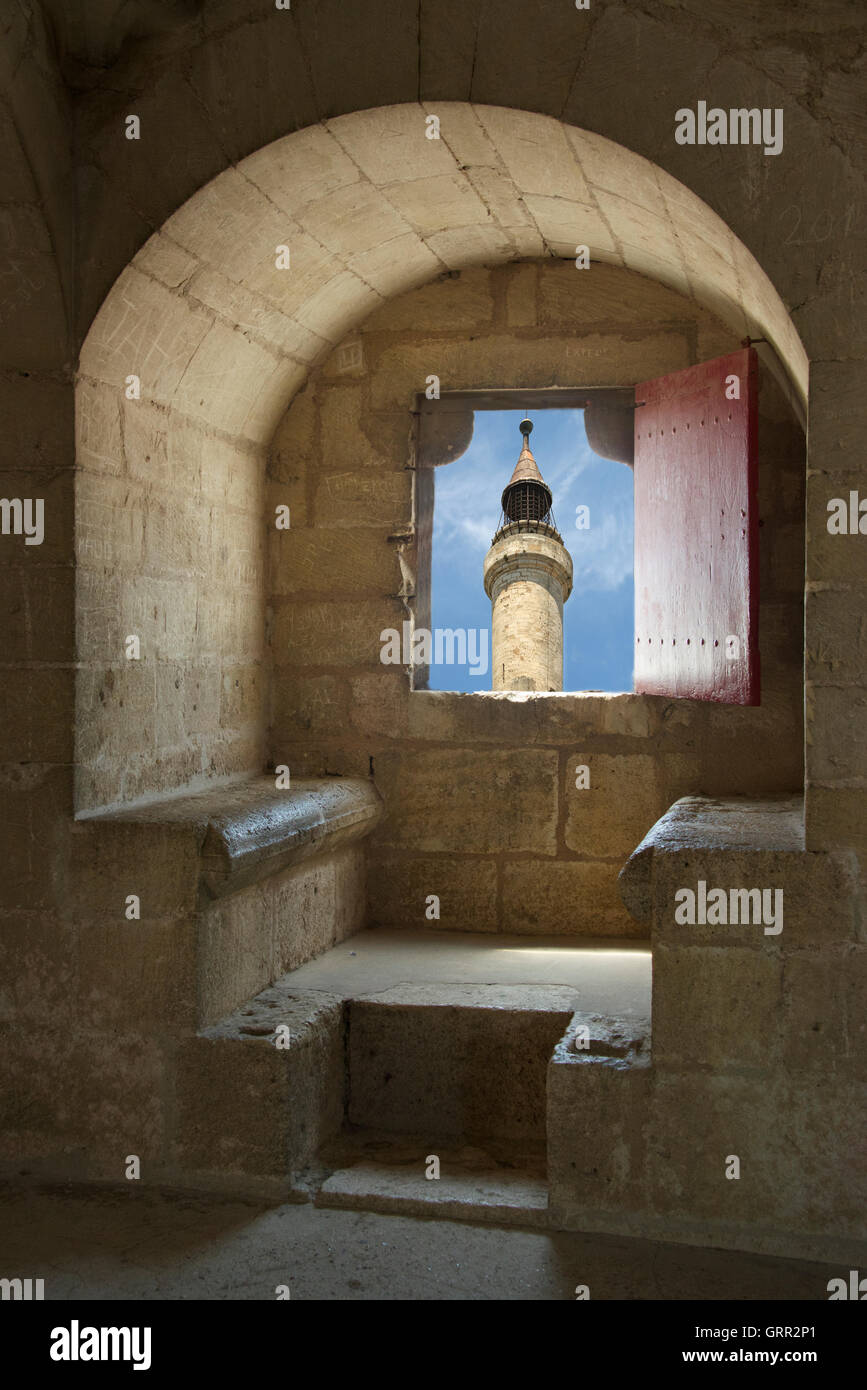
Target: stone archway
column 212, row 328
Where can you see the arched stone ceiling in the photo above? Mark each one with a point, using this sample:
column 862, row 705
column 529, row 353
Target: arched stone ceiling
column 369, row 207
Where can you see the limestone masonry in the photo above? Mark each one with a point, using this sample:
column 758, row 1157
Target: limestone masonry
column 281, row 923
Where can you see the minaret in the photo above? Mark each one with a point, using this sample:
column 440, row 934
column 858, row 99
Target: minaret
column 528, row 578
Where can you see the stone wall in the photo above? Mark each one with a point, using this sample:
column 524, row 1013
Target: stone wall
column 217, row 322
column 774, row 235
column 37, row 632
column 481, row 803
column 170, row 551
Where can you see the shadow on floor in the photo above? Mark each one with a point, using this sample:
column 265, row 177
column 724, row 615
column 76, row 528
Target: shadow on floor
column 140, row 1244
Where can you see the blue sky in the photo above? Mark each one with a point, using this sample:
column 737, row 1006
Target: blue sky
column 598, row 618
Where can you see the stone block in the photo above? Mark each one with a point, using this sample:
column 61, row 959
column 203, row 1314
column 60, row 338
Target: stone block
column 818, row 1154
column 37, row 614
column 38, row 1103
column 340, row 634
column 339, row 561
column 737, row 742
column 527, row 58
column 399, row 886
column 178, row 536
column 838, row 417
column 395, row 267
column 354, row 219
column 110, row 522
column 598, row 1102
column 814, row 1009
column 390, row 145
column 378, row 704
column 200, row 685
column 342, row 302
column 236, row 953
column 251, row 49
column 248, row 1108
column 570, row 897
column 854, row 989
column 835, row 816
column 818, row 902
column 164, row 260
column 836, row 628
column 293, row 449
column 113, row 858
column 147, row 332
column 796, row 1167
column 98, row 439
column 469, row 801
column 512, row 717
column 301, row 168
column 567, row 224
column 35, row 803
column 455, row 1059
column 36, row 716
column 316, row 906
column 472, row 246
column 100, row 1101
column 698, row 1122
column 536, row 153
column 223, row 380
column 31, row 308
column 525, row 362
column 38, row 965
column 242, row 700
column 326, row 758
column 617, row 170
column 835, row 715
column 440, row 203
column 604, row 295
column 454, row 301
column 315, row 706
column 162, row 612
column 520, row 296
column 624, row 799
column 136, row 975
column 125, row 698
column 243, row 226
column 719, row 1008
column 364, row 499
column 339, row 420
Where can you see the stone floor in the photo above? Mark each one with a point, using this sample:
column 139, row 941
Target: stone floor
column 608, row 977
column 139, row 1244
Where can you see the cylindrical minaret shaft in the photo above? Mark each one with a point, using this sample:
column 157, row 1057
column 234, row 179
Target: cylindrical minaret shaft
column 528, row 578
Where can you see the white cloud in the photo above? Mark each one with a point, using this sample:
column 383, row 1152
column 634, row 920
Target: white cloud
column 602, row 555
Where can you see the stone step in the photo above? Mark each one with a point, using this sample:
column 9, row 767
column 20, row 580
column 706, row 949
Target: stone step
column 388, row 1174
column 498, row 1196
column 455, row 1059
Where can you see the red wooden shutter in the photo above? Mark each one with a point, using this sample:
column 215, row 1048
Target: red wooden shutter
column 696, row 533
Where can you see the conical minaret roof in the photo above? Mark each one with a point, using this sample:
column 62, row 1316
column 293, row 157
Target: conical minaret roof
column 526, row 479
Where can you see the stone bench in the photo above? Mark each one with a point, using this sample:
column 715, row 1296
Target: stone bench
column 641, row 1131
column 708, row 826
column 234, row 887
